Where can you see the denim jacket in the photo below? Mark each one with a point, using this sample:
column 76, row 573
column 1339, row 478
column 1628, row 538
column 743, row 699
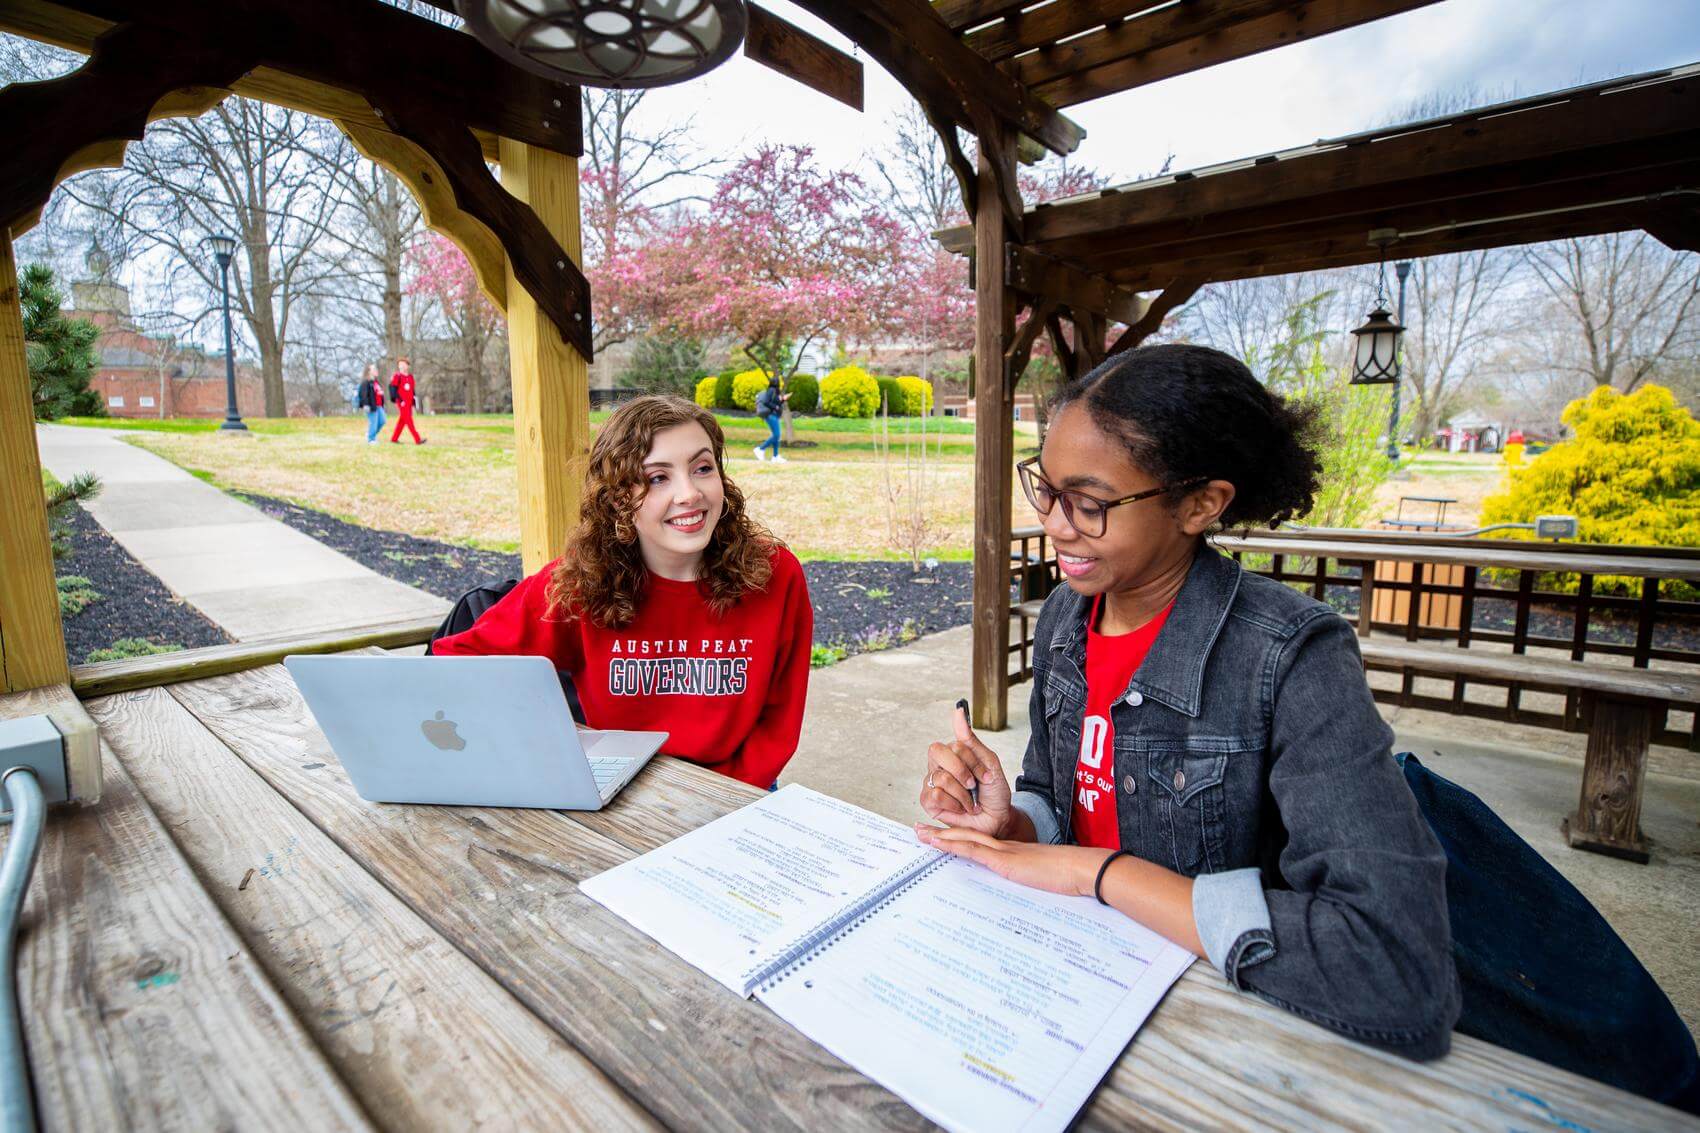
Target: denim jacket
column 1249, row 755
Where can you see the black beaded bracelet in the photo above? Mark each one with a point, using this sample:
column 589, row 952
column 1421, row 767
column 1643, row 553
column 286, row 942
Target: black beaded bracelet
column 1098, row 886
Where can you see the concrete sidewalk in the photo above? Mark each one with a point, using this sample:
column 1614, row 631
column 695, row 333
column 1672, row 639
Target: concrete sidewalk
column 255, row 577
column 870, row 718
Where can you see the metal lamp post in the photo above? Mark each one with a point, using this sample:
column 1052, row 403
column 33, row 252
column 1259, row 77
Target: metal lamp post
column 223, row 248
column 1403, row 269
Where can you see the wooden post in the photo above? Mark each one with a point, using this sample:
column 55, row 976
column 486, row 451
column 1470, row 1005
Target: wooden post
column 32, row 642
column 1608, row 815
column 551, row 380
column 994, row 448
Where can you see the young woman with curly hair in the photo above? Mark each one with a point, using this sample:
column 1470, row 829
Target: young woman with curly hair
column 671, row 609
column 1206, row 755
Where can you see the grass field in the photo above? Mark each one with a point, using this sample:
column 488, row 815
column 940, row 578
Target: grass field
column 829, row 501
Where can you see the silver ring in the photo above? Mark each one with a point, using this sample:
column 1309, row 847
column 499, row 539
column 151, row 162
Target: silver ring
column 929, row 780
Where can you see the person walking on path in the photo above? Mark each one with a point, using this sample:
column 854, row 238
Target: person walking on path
column 769, row 403
column 371, row 399
column 402, row 392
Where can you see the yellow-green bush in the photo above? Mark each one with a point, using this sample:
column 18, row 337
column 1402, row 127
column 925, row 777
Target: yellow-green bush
column 704, row 395
column 1631, row 474
column 917, row 396
column 850, row 391
column 746, row 387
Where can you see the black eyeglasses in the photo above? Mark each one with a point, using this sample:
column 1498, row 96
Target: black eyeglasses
column 1088, row 515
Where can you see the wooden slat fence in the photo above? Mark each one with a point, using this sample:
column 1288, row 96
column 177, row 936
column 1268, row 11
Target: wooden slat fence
column 1473, row 592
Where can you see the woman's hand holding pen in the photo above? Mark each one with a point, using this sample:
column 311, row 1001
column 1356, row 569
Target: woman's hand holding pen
column 965, row 785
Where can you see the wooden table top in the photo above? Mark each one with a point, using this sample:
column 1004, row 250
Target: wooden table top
column 232, row 938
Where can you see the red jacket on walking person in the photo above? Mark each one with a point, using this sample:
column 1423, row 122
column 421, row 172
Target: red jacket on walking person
column 402, row 393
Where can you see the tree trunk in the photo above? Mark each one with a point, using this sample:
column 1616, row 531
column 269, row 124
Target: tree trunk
column 393, row 238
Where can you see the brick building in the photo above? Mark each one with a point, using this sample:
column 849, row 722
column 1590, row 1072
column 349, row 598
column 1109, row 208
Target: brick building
column 143, row 375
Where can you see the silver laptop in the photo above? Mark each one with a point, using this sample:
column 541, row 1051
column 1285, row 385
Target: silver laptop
column 466, row 731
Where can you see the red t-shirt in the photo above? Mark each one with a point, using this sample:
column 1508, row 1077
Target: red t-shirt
column 1111, row 661
column 728, row 689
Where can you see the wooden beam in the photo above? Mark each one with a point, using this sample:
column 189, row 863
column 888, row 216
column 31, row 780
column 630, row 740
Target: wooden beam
column 32, row 642
column 959, row 14
column 551, row 380
column 994, row 454
column 1349, row 252
column 1033, row 273
column 1675, row 223
column 431, row 187
column 923, row 54
column 84, row 119
column 1039, row 27
column 1168, row 26
column 797, row 55
column 1148, row 324
column 1304, row 20
column 109, row 677
column 133, row 69
column 1639, row 124
column 76, row 31
column 320, row 52
column 1020, row 349
column 1592, row 177
column 109, row 154
column 547, row 272
column 1064, row 349
column 79, row 733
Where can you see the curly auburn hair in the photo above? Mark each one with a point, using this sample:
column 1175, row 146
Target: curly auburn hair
column 602, row 574
column 1188, row 412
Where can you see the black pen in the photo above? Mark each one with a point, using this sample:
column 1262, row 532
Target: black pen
column 974, row 791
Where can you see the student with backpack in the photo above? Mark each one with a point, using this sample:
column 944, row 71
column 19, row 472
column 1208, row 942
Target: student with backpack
column 670, row 608
column 370, row 397
column 1206, row 756
column 403, row 391
column 769, row 404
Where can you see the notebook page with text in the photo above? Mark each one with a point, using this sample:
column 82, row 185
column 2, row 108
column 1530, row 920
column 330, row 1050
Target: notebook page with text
column 986, row 1005
column 734, row 895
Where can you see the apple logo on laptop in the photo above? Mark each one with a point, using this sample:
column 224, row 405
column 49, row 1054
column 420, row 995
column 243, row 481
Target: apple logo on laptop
column 442, row 733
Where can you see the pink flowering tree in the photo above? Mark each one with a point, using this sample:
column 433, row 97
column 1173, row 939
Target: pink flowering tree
column 786, row 255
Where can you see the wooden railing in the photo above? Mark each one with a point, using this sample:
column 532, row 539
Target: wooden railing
column 107, row 677
column 1473, row 592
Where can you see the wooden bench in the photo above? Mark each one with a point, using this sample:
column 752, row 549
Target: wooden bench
column 1621, row 706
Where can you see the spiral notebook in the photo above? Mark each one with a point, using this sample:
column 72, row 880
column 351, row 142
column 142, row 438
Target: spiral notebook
column 984, row 1004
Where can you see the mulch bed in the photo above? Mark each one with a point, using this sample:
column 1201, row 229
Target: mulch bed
column 132, row 603
column 857, row 604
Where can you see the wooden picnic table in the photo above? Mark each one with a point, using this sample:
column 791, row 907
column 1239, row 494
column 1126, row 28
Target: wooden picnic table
column 232, row 938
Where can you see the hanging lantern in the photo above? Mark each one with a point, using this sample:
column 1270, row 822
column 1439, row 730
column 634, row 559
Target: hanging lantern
column 610, row 43
column 1376, row 361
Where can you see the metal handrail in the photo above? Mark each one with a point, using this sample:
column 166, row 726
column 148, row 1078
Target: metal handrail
column 29, row 810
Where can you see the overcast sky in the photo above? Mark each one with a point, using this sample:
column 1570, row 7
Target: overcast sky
column 1336, row 84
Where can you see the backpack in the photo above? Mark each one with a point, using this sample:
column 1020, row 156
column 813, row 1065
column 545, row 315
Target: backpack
column 1541, row 971
column 767, row 402
column 469, row 607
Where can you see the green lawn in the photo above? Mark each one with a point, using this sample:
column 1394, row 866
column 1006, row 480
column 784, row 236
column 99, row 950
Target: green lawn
column 271, row 425
column 831, row 500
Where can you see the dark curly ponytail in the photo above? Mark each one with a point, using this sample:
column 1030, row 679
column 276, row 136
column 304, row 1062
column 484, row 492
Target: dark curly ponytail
column 1190, row 412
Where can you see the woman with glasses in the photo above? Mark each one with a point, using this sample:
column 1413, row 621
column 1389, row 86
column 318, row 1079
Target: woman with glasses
column 1206, row 756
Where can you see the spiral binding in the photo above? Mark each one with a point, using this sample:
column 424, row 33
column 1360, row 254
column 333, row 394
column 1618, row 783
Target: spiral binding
column 832, row 930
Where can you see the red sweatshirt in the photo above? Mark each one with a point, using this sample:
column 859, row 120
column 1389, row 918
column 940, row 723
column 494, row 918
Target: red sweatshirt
column 727, row 689
column 403, row 386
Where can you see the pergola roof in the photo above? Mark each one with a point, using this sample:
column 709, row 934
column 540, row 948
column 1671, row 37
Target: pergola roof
column 1605, row 157
column 1066, row 53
